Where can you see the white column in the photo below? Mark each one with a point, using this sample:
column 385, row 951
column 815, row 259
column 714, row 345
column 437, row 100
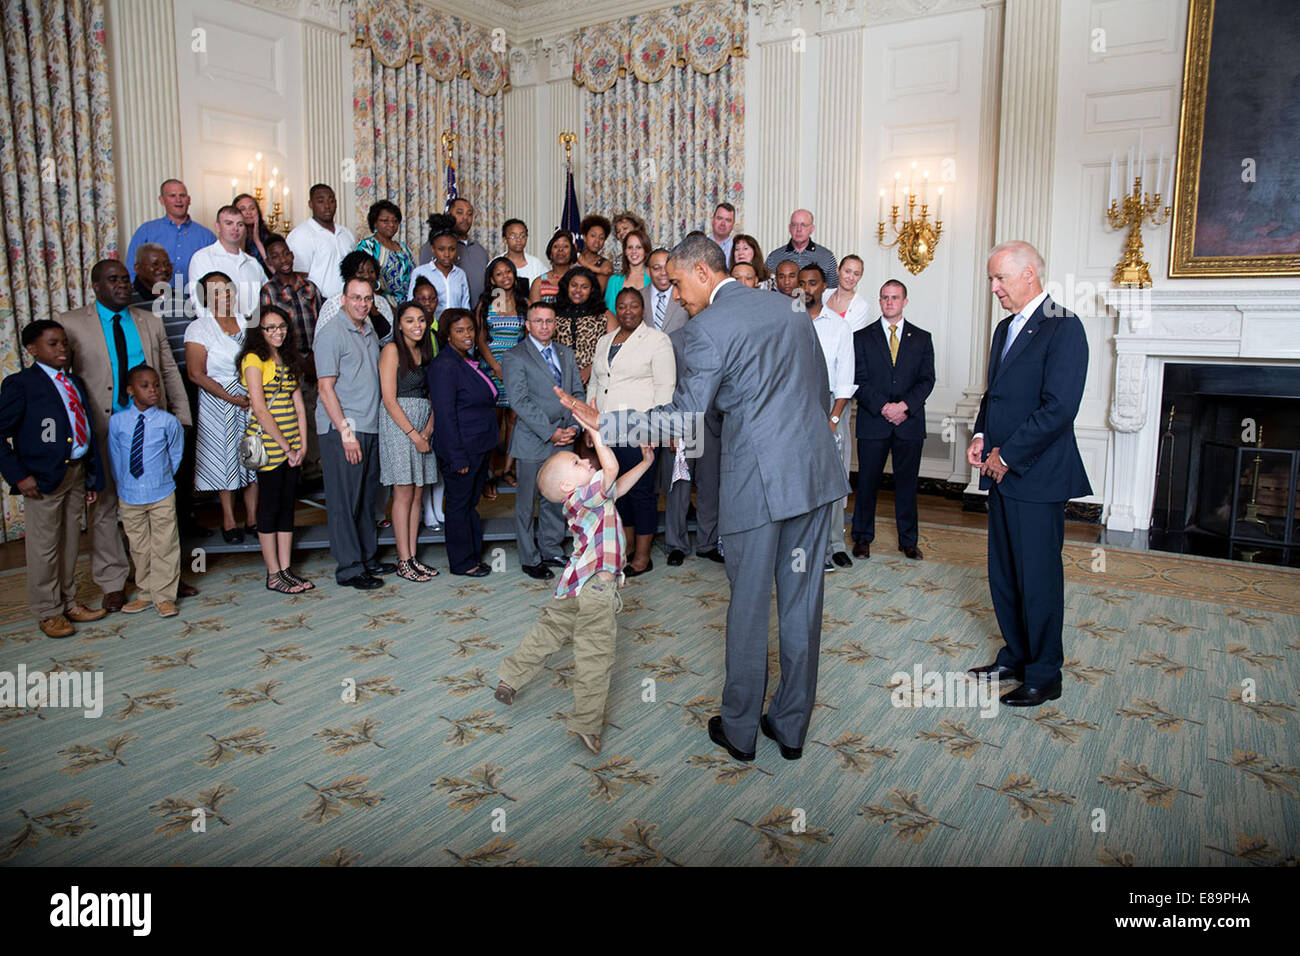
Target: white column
column 777, row 142
column 522, row 177
column 838, row 213
column 326, row 84
column 146, row 108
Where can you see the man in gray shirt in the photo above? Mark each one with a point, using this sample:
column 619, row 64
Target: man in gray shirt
column 347, row 421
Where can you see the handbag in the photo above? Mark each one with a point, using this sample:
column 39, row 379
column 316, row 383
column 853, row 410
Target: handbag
column 252, row 448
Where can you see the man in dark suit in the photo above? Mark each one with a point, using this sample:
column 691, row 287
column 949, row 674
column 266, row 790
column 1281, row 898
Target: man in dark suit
column 1029, row 462
column 894, row 372
column 767, row 377
column 49, row 456
column 532, row 370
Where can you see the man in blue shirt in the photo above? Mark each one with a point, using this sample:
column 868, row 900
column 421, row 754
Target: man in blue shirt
column 176, row 232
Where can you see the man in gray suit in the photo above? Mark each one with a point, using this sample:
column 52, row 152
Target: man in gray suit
column 666, row 314
column 532, row 369
column 765, row 374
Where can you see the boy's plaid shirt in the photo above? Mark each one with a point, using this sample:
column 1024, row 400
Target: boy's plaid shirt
column 597, row 536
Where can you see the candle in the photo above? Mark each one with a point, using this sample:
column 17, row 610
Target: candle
column 925, row 186
column 1128, row 179
column 1142, row 159
column 258, row 157
column 1169, row 194
column 897, row 177
column 234, row 188
column 880, row 207
column 1160, row 169
column 1114, row 173
column 938, row 213
column 288, row 217
column 910, row 174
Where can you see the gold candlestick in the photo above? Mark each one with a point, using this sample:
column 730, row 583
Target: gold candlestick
column 916, row 238
column 1135, row 207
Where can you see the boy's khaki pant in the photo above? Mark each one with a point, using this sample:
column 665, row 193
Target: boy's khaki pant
column 53, row 532
column 155, row 548
column 589, row 620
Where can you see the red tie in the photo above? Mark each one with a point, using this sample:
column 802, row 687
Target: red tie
column 78, row 413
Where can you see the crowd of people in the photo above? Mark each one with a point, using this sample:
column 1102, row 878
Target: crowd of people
column 389, row 376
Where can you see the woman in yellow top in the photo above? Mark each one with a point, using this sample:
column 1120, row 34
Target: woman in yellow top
column 270, row 367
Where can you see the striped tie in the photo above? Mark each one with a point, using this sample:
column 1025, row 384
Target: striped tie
column 661, row 305
column 137, row 448
column 555, row 369
column 74, row 403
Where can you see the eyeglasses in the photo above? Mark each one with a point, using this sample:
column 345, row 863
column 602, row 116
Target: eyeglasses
column 275, row 328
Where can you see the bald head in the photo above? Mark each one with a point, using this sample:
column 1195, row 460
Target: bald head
column 801, row 228
column 1015, row 271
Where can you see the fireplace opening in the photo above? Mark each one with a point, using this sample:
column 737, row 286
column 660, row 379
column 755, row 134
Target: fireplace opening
column 1228, row 466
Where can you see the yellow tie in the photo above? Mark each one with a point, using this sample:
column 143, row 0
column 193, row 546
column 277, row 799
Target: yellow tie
column 893, row 345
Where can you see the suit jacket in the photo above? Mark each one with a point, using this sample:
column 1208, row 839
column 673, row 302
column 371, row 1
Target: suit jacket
column 1029, row 407
column 531, row 388
column 675, row 314
column 881, row 381
column 464, row 411
column 28, row 400
column 642, row 375
column 748, row 357
column 90, row 360
column 712, row 418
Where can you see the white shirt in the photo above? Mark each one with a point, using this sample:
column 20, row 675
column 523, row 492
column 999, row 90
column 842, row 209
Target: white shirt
column 244, row 272
column 453, row 289
column 655, row 295
column 78, row 448
column 318, row 252
column 858, row 314
column 884, row 327
column 714, row 294
column 837, row 349
column 532, row 269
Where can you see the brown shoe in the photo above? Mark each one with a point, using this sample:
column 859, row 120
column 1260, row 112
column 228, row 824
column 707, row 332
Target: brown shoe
column 82, row 614
column 136, row 606
column 861, row 549
column 186, row 590
column 113, row 601
column 590, row 741
column 914, row 553
column 58, row 626
column 504, row 693
column 167, row 609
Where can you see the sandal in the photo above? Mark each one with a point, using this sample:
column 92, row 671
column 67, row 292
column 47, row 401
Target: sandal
column 424, row 568
column 490, row 491
column 410, row 573
column 278, row 582
column 293, row 578
column 510, row 478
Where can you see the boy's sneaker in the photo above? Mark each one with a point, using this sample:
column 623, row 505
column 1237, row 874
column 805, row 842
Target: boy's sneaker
column 166, row 609
column 136, row 606
column 590, row 741
column 504, row 693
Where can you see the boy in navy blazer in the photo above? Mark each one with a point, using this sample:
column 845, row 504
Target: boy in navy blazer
column 894, row 372
column 1029, row 462
column 48, row 455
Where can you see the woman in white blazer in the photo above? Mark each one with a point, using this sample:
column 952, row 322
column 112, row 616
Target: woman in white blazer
column 634, row 368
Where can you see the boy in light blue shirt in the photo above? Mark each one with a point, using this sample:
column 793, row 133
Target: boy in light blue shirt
column 145, row 445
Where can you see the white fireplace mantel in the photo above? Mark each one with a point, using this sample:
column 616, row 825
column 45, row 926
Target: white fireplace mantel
column 1156, row 327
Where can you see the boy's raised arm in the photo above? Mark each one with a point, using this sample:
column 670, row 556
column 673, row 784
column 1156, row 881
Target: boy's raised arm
column 608, row 463
column 625, row 482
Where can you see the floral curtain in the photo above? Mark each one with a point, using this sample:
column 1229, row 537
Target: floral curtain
column 665, row 114
column 418, row 73
column 57, row 189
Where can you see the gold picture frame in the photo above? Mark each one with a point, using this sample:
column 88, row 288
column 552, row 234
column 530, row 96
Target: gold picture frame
column 1191, row 253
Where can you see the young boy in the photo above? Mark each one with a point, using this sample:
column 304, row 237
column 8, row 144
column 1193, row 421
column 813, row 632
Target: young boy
column 48, row 455
column 145, row 445
column 586, row 599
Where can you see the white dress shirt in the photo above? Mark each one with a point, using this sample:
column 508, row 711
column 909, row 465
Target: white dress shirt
column 243, row 269
column 318, row 252
column 655, row 309
column 714, row 294
column 452, row 289
column 78, row 448
column 884, row 327
column 532, row 269
column 837, row 349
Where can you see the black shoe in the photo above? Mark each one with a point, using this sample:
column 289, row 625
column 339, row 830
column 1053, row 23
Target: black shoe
column 1026, row 696
column 233, row 535
column 539, row 571
column 789, row 753
column 675, row 558
column 862, row 549
column 480, row 571
column 362, row 582
column 912, row 552
column 719, row 738
column 555, row 562
column 994, row 672
column 827, row 567
column 381, row 567
column 842, row 559
column 192, row 529
column 712, row 555
column 631, row 572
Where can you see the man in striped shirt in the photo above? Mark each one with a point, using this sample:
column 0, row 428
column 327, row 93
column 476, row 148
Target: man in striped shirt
column 586, row 599
column 803, row 251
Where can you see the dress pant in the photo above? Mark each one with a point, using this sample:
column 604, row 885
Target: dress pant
column 789, row 551
column 706, row 474
column 835, row 538
column 155, row 548
column 108, row 561
column 872, row 453
column 550, row 516
column 1027, row 584
column 51, row 540
column 463, row 526
column 350, row 503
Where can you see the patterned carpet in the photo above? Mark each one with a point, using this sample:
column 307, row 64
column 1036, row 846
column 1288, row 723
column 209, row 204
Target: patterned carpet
column 1157, row 754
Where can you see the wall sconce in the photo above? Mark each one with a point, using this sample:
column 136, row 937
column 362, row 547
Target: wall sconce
column 916, row 237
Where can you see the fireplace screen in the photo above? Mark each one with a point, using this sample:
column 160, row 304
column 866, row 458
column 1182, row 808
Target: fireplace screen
column 1247, row 495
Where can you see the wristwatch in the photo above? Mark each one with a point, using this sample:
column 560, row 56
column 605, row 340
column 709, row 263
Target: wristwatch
column 835, row 419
